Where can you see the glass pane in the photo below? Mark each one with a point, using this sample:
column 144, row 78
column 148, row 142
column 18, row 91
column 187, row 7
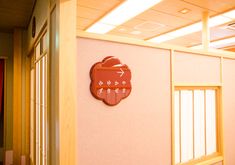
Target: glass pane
column 210, row 122
column 177, row 128
column 38, row 51
column 199, row 124
column 44, row 42
column 186, row 126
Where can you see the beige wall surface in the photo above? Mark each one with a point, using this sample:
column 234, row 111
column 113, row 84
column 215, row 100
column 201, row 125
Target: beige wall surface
column 229, row 110
column 6, row 50
column 136, row 131
column 190, row 68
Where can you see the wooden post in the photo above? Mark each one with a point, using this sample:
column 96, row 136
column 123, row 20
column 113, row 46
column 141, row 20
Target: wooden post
column 67, row 82
column 205, row 31
column 17, row 96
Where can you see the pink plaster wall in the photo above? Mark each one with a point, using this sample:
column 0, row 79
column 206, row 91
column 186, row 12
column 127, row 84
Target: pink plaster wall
column 190, row 68
column 138, row 130
column 229, row 110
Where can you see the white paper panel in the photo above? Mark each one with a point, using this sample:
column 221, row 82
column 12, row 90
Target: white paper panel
column 199, row 124
column 186, row 126
column 177, row 136
column 38, row 102
column 210, row 122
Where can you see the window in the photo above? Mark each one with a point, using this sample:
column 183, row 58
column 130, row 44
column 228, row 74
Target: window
column 39, row 101
column 196, row 124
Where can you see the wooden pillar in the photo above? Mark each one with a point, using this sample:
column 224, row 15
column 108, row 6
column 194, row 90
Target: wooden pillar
column 67, row 82
column 17, row 96
column 205, row 31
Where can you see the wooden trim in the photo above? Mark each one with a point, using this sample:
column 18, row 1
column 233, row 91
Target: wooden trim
column 139, row 42
column 196, row 86
column 215, row 158
column 37, row 38
column 17, row 96
column 221, row 111
column 27, row 106
column 5, row 108
column 172, row 107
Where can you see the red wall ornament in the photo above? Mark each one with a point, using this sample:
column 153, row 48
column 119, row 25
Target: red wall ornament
column 110, row 80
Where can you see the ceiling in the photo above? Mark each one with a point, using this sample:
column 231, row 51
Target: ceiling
column 15, row 13
column 161, row 18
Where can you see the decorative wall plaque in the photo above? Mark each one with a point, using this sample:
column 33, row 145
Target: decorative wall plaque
column 110, row 80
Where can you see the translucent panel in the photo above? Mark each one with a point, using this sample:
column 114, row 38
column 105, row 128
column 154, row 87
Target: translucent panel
column 38, row 52
column 44, row 42
column 177, row 128
column 44, row 110
column 199, row 124
column 186, row 126
column 32, row 103
column 210, row 122
column 38, row 102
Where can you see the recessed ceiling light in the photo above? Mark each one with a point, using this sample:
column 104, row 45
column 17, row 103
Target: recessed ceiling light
column 214, row 21
column 184, row 11
column 127, row 10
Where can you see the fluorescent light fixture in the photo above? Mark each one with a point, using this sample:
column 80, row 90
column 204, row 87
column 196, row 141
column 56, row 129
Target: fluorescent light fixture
column 230, row 14
column 218, row 20
column 218, row 44
column 177, row 33
column 126, row 11
column 101, row 27
column 223, row 43
column 214, row 21
column 161, row 38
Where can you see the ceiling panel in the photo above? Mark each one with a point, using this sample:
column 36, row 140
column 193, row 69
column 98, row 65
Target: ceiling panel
column 165, row 16
column 187, row 40
column 214, row 5
column 173, row 7
column 137, row 33
column 15, row 13
column 165, row 19
column 89, row 11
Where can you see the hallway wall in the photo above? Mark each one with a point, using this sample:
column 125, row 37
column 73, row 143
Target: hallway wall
column 138, row 129
column 6, row 50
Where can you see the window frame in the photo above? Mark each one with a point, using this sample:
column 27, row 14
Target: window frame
column 218, row 155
